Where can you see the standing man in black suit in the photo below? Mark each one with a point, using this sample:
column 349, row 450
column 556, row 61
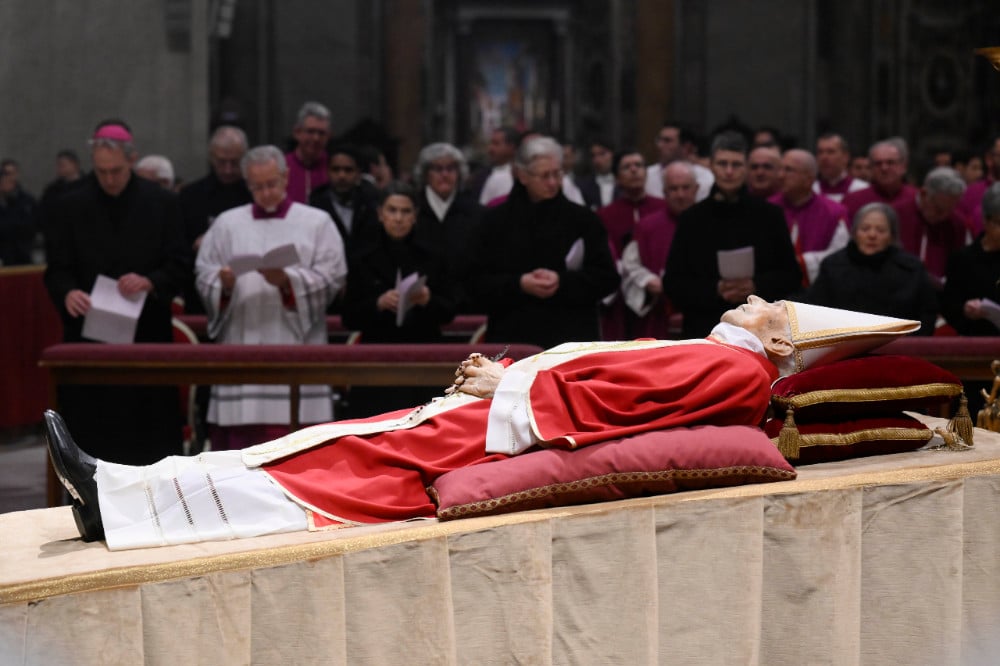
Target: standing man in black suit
column 128, row 229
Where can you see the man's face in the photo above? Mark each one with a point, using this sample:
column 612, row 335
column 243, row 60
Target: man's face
column 831, row 159
column 442, row 176
column 668, row 143
column 730, row 170
column 601, row 159
column 631, row 174
column 8, row 179
column 679, row 189
column 937, row 208
column 888, row 168
column 113, row 168
column 267, row 185
column 498, row 150
column 542, row 178
column 343, row 172
column 861, row 168
column 763, row 319
column 764, row 173
column 311, row 136
column 796, row 181
column 225, row 161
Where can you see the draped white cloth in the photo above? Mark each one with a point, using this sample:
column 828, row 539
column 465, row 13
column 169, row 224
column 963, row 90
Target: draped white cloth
column 885, row 560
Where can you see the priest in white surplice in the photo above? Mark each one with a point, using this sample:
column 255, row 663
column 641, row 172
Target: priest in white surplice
column 268, row 305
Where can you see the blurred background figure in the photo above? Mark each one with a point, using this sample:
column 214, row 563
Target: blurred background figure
column 448, row 217
column 373, row 301
column 206, row 198
column 128, row 229
column 158, row 169
column 268, row 305
column 873, row 274
column 973, row 275
column 17, row 217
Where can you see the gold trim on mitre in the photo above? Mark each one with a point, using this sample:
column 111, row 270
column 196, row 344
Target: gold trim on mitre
column 822, row 335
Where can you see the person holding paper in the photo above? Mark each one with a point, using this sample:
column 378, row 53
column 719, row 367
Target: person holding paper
column 130, row 231
column 971, row 297
column 701, row 283
column 266, row 273
column 399, row 292
column 543, row 263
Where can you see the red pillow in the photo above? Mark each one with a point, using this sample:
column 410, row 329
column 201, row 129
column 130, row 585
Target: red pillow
column 855, row 438
column 867, row 385
column 651, row 463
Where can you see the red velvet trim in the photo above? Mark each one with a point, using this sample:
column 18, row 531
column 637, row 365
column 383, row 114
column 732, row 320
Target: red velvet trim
column 870, row 372
column 931, row 386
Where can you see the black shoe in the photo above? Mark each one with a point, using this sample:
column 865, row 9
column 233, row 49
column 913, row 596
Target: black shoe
column 75, row 470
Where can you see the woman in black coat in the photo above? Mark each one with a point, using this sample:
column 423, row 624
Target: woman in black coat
column 374, row 296
column 372, row 300
column 873, row 274
column 974, row 276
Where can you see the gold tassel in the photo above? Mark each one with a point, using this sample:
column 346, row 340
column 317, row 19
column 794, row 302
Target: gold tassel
column 788, row 440
column 961, row 423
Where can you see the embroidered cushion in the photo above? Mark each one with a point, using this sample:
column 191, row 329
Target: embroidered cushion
column 867, row 385
column 854, row 438
column 650, row 463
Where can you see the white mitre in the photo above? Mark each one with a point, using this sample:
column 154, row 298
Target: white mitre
column 823, row 335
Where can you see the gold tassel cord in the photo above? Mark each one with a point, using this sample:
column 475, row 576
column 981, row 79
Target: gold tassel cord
column 789, row 440
column 961, row 423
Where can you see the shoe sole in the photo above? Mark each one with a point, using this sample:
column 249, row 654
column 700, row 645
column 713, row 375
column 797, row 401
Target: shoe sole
column 54, row 424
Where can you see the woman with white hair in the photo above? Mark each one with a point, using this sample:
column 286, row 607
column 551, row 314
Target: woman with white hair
column 874, row 274
column 448, row 217
column 543, row 263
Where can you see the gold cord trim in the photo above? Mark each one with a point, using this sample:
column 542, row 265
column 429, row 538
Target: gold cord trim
column 613, row 478
column 940, row 389
column 843, row 439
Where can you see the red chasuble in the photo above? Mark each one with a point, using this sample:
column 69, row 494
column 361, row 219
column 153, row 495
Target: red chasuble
column 593, row 398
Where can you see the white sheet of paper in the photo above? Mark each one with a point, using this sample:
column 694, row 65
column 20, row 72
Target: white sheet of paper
column 574, row 258
column 112, row 317
column 736, row 264
column 991, row 310
column 405, row 287
column 279, row 257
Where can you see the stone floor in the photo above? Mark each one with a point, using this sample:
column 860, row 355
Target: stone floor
column 22, row 469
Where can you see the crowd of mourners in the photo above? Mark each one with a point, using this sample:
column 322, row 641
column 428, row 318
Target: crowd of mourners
column 552, row 241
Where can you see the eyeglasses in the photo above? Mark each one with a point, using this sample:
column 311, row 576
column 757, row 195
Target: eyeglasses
column 555, row 174
column 761, row 167
column 443, row 168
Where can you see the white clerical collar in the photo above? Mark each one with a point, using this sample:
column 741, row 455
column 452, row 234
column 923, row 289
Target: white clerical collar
column 738, row 337
column 503, row 168
column 438, row 205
